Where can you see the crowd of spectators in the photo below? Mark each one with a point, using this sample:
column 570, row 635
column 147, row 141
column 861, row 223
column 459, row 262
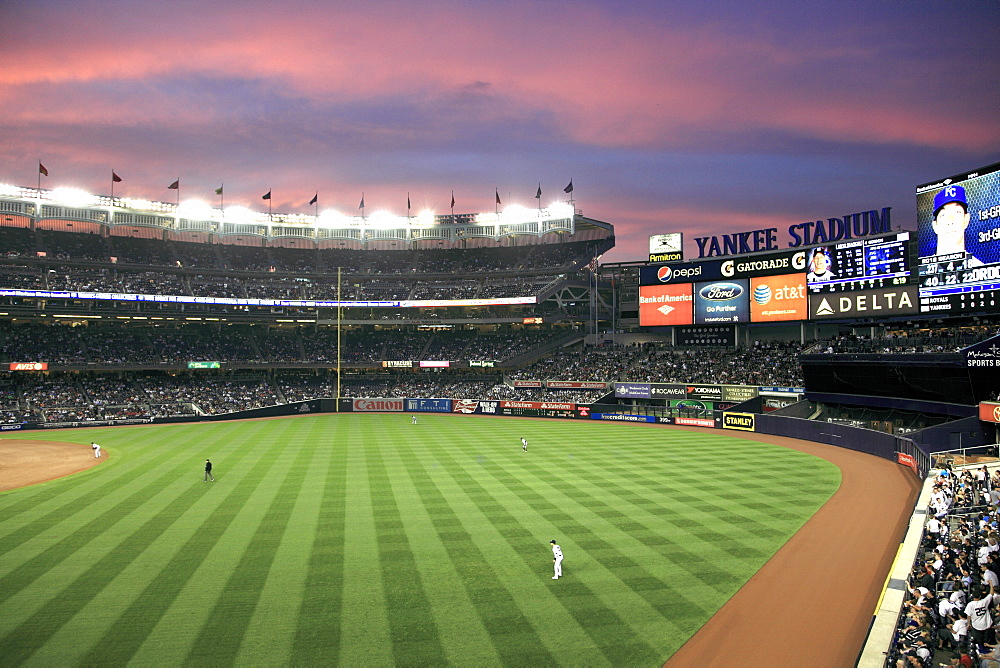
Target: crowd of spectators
column 69, row 396
column 951, row 608
column 88, row 246
column 909, row 340
column 763, row 363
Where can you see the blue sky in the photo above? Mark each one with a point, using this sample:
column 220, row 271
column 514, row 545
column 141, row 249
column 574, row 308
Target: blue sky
column 704, row 118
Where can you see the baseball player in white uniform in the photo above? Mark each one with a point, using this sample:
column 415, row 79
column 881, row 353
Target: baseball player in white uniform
column 413, row 419
column 524, row 444
column 97, row 449
column 557, row 557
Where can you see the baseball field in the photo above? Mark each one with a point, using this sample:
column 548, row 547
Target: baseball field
column 367, row 540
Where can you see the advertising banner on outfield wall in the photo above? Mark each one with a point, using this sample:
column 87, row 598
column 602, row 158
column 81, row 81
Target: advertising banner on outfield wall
column 623, row 417
column 989, row 411
column 549, row 409
column 741, row 421
column 695, row 422
column 429, row 405
column 527, row 383
column 575, row 385
column 377, row 405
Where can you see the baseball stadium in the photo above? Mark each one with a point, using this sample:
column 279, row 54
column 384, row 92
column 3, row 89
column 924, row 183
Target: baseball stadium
column 233, row 437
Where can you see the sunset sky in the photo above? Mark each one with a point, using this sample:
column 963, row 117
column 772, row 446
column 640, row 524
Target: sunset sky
column 704, row 118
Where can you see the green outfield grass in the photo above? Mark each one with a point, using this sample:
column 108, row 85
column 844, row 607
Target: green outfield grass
column 363, row 540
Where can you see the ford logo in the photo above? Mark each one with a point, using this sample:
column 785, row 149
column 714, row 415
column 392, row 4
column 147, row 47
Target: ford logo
column 720, row 292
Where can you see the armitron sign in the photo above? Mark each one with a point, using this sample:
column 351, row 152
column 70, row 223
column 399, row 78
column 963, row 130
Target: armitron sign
column 29, row 366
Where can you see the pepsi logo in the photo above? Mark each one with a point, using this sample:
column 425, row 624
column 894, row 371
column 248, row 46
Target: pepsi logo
column 663, row 274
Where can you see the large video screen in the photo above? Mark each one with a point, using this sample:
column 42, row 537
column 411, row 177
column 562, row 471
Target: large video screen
column 861, row 264
column 958, row 232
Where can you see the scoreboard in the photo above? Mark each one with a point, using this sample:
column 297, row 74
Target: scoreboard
column 959, row 243
column 862, row 264
column 950, row 266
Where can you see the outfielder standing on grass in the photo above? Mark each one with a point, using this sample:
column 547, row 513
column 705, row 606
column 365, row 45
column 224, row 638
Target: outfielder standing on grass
column 208, row 470
column 557, row 557
column 524, row 444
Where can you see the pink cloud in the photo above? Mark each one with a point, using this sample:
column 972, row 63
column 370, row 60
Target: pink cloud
column 608, row 81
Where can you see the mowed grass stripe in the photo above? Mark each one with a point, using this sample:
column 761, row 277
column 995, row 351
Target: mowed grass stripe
column 514, row 638
column 317, row 637
column 495, row 582
column 272, row 628
column 102, row 523
column 218, row 536
column 122, row 613
column 366, row 639
column 89, row 573
column 64, row 501
column 451, row 500
column 458, row 624
column 525, row 544
column 606, row 532
column 412, row 626
column 221, row 634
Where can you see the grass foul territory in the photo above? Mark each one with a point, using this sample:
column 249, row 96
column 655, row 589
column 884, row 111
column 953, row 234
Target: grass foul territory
column 367, row 540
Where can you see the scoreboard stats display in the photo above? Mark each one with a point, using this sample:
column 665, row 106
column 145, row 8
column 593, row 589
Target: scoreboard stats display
column 779, row 287
column 958, row 231
column 861, row 264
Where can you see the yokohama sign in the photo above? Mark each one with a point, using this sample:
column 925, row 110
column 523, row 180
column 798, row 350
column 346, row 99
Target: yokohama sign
column 378, row 405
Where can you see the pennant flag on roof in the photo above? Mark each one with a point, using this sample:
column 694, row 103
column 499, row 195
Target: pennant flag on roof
column 42, row 170
column 538, row 195
column 266, row 195
column 115, row 177
column 218, row 191
column 175, row 185
column 314, row 199
column 568, row 189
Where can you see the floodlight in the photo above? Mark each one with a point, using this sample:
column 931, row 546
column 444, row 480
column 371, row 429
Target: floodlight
column 561, row 210
column 515, row 213
column 72, row 197
column 331, row 219
column 195, row 209
column 140, row 204
column 425, row 217
column 239, row 214
column 386, row 220
column 8, row 190
column 487, row 218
